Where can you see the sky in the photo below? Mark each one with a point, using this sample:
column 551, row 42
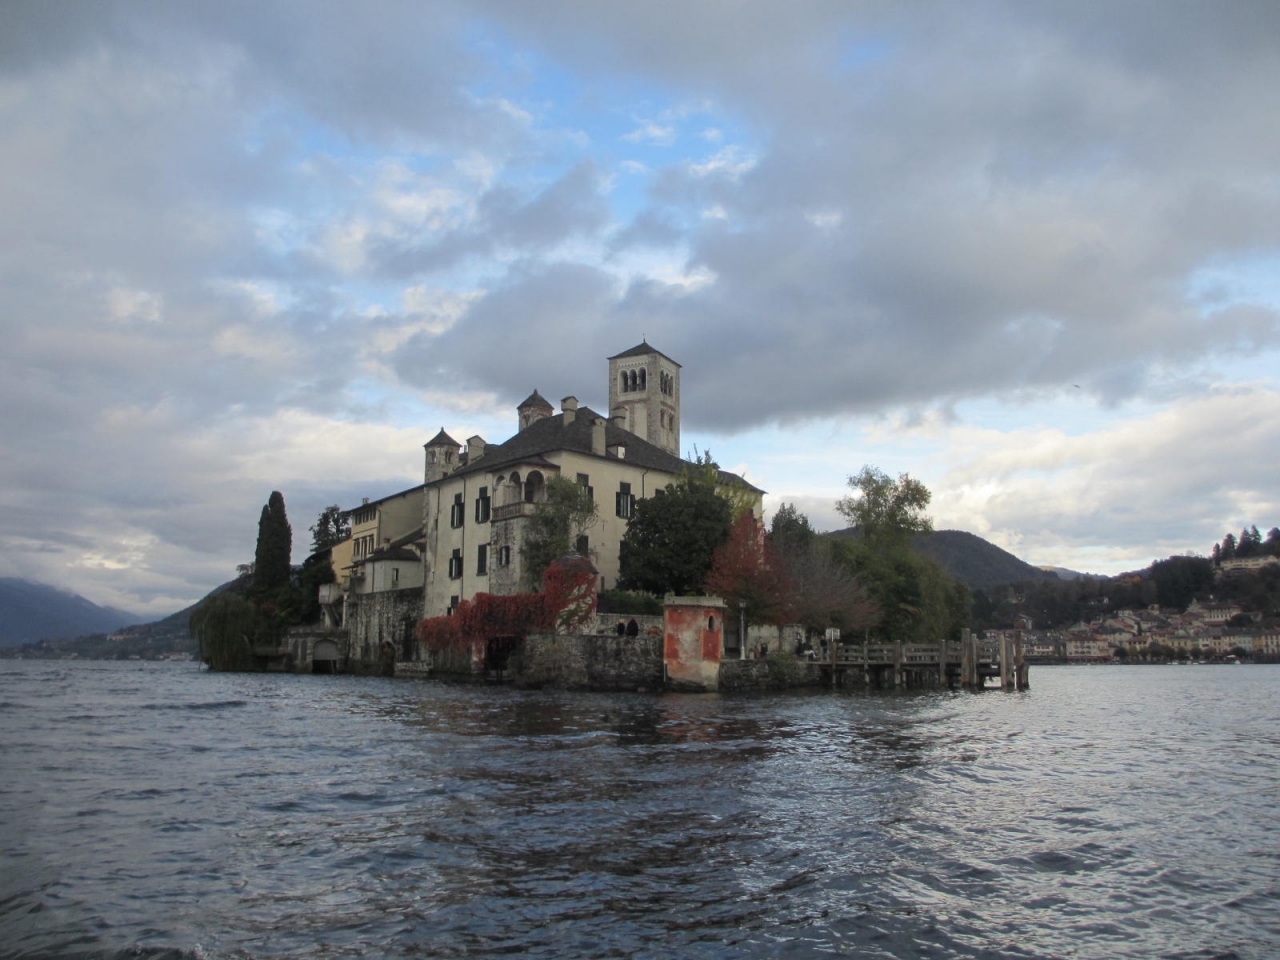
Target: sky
column 1028, row 253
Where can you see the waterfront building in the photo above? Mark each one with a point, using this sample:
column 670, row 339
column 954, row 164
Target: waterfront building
column 478, row 498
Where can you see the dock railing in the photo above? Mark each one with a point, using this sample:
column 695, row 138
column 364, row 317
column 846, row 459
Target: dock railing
column 968, row 663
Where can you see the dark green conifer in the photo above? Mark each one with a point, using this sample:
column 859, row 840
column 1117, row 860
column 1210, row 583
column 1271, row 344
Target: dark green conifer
column 271, row 568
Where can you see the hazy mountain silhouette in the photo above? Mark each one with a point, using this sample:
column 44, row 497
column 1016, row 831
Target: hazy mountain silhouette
column 36, row 611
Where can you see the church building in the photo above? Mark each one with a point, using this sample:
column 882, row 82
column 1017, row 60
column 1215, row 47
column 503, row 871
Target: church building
column 477, row 497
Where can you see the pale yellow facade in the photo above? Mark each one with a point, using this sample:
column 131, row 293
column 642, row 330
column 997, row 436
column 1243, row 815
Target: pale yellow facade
column 476, row 500
column 374, row 525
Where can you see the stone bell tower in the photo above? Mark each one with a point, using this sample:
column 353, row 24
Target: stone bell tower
column 644, row 395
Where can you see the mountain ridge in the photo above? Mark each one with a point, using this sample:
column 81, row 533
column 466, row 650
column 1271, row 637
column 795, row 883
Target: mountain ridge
column 31, row 611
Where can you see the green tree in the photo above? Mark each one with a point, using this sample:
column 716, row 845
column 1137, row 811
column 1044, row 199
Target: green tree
column 225, row 628
column 271, row 568
column 824, row 592
column 332, row 526
column 567, row 512
column 917, row 599
column 669, row 542
column 885, row 510
column 1272, row 544
column 1179, row 580
column 790, row 532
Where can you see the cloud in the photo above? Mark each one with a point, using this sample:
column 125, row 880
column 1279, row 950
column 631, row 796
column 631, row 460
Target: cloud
column 658, row 135
column 221, row 223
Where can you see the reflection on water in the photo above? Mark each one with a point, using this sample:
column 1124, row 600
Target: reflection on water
column 1109, row 812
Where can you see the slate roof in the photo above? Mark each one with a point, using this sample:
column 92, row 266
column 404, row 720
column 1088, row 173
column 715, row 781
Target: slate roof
column 641, row 350
column 550, row 435
column 390, row 496
column 536, row 399
column 442, row 439
column 397, row 549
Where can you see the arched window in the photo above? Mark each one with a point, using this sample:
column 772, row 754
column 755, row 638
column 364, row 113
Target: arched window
column 633, row 380
column 533, row 487
column 623, row 377
column 711, row 624
column 642, row 379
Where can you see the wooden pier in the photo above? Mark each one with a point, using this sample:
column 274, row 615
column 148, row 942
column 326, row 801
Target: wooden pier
column 966, row 664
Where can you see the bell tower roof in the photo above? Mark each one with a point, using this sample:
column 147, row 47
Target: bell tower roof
column 442, row 439
column 642, row 349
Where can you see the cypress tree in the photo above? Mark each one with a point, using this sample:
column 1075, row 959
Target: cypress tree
column 271, row 568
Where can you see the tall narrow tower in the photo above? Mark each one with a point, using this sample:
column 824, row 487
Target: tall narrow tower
column 644, row 395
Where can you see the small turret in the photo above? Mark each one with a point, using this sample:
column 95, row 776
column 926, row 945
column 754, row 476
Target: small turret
column 534, row 408
column 442, row 456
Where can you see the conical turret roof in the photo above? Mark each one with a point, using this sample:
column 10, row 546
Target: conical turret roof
column 536, row 399
column 442, row 439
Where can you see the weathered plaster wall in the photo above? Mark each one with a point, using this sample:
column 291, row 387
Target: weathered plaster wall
column 382, row 622
column 692, row 642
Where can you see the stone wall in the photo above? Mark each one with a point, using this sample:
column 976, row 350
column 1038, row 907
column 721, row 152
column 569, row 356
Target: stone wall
column 301, row 643
column 588, row 662
column 381, row 627
column 782, row 671
column 608, row 623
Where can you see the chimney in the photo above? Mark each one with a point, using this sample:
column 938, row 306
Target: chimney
column 620, row 418
column 475, row 448
column 569, row 406
column 597, row 436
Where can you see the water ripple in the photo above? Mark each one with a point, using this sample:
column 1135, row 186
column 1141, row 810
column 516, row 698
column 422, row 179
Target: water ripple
column 158, row 811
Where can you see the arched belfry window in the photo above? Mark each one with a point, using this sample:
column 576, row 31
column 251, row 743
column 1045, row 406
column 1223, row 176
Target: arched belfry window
column 624, row 381
column 642, row 380
column 633, row 380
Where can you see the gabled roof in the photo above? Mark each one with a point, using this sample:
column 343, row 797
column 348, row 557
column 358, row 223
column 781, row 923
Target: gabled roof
column 390, row 496
column 551, row 435
column 397, row 549
column 640, row 350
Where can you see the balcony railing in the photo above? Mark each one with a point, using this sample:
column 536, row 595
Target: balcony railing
column 509, row 511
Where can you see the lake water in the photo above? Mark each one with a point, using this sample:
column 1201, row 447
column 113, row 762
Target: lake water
column 155, row 810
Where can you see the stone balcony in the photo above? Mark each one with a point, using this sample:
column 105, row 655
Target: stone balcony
column 509, row 511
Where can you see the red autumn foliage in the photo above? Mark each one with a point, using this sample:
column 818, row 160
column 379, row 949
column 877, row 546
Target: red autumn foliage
column 487, row 615
column 568, row 601
column 439, row 633
column 746, row 568
column 569, row 592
